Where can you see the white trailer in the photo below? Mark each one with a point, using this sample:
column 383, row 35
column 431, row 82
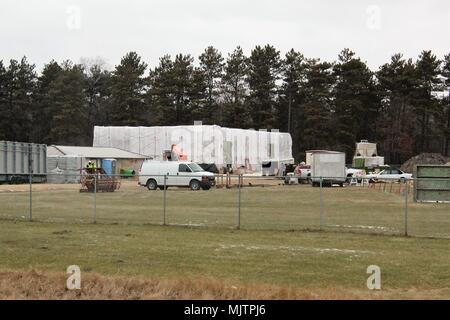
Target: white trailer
column 328, row 166
column 20, row 160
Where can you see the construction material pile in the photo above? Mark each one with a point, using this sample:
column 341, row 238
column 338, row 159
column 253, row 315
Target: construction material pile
column 424, row 158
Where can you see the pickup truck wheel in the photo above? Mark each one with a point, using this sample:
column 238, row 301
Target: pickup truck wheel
column 151, row 184
column 194, row 185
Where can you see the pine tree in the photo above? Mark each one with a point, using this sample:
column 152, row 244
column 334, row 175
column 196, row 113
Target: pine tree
column 211, row 71
column 356, row 102
column 290, row 113
column 425, row 104
column 175, row 92
column 160, row 95
column 44, row 105
column 128, row 87
column 234, row 89
column 186, row 90
column 317, row 106
column 446, row 104
column 70, row 122
column 396, row 82
column 263, row 73
column 4, row 108
column 17, row 86
column 98, row 96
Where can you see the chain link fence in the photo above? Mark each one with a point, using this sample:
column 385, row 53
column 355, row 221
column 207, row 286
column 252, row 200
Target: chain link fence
column 235, row 202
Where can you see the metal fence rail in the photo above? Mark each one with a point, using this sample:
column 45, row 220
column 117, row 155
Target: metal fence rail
column 237, row 201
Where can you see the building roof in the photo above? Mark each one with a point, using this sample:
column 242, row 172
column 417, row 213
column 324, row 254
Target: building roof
column 323, row 151
column 93, row 152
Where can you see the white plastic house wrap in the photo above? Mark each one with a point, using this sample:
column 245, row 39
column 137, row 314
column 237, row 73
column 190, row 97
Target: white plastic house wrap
column 202, row 144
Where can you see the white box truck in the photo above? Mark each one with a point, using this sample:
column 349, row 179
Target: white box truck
column 328, row 165
column 178, row 174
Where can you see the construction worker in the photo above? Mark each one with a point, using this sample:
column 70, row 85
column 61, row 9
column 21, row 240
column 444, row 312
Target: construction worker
column 91, row 167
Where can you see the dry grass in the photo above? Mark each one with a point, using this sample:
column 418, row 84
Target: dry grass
column 35, row 284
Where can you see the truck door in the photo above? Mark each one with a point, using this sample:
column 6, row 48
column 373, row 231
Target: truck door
column 184, row 175
column 171, row 172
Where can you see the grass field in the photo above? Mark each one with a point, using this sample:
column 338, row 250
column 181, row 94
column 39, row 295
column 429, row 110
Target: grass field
column 266, row 259
column 276, row 207
column 309, row 261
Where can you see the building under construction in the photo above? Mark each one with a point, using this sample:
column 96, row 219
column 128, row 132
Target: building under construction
column 249, row 150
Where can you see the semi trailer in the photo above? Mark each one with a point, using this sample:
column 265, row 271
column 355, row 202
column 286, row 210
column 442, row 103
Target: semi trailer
column 21, row 162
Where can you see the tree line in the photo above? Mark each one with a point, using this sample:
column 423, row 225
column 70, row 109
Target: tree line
column 324, row 105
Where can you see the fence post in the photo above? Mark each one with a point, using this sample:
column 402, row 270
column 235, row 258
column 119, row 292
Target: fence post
column 321, row 203
column 95, row 200
column 239, row 204
column 31, row 196
column 164, row 201
column 30, row 177
column 406, row 208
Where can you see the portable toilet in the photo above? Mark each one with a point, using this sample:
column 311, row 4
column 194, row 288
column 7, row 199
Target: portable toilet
column 109, row 165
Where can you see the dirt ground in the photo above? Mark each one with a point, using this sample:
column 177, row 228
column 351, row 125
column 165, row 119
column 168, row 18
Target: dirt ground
column 127, row 184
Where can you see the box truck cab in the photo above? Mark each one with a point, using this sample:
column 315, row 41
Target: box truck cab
column 178, row 174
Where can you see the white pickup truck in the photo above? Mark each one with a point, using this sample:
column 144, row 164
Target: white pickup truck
column 389, row 174
column 301, row 174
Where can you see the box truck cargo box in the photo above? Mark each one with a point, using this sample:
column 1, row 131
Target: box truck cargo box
column 328, row 165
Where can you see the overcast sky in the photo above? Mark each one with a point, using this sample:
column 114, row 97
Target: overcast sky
column 59, row 29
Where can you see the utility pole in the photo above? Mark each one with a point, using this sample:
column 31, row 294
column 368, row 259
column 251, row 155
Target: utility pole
column 289, row 110
column 447, row 140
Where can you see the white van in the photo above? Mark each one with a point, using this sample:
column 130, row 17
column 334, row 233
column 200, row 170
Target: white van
column 179, row 174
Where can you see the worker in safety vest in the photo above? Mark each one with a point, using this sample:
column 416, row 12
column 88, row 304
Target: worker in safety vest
column 90, row 166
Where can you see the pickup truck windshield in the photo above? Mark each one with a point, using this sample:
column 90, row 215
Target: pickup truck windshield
column 195, row 167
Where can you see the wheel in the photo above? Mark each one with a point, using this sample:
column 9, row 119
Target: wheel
column 194, row 185
column 151, row 184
